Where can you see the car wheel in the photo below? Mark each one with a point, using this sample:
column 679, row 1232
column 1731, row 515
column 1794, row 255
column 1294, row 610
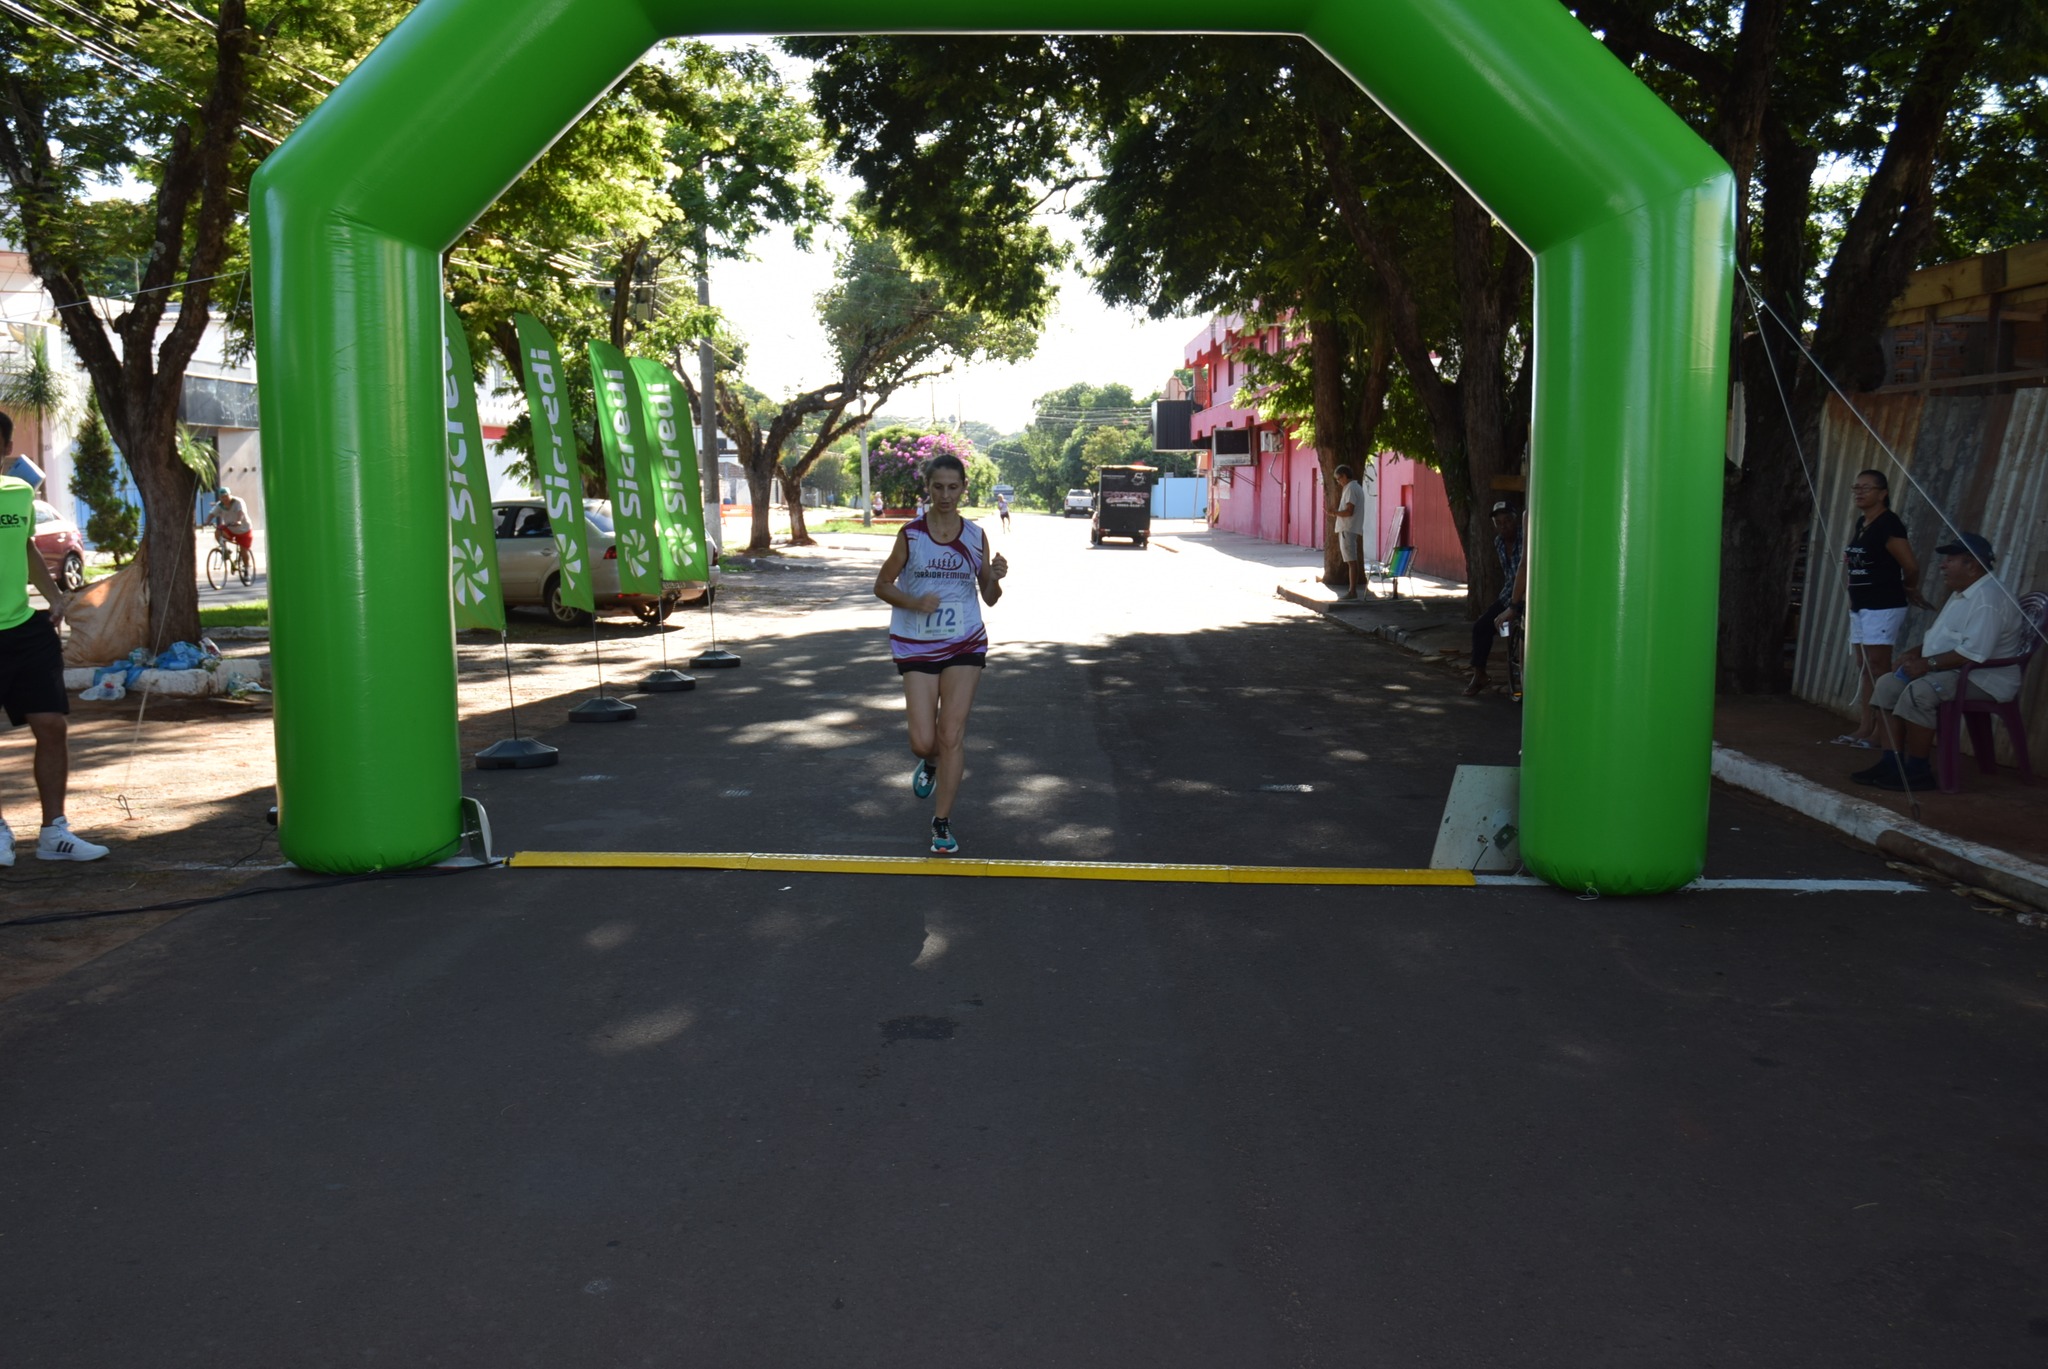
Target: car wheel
column 1095, row 536
column 651, row 614
column 559, row 611
column 71, row 575
column 1143, row 543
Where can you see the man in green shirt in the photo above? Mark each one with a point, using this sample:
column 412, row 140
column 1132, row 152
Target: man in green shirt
column 32, row 667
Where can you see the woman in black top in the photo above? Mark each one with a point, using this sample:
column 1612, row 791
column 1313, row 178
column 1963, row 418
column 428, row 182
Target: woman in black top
column 1883, row 580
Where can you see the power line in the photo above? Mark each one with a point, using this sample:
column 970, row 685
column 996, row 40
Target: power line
column 111, row 59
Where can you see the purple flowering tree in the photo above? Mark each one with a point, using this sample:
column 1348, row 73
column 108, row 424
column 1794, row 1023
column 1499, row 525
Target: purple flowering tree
column 896, row 462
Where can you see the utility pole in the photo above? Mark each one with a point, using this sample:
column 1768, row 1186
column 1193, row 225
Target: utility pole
column 707, row 382
column 867, row 503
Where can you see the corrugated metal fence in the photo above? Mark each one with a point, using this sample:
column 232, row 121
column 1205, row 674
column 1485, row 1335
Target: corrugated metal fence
column 1983, row 460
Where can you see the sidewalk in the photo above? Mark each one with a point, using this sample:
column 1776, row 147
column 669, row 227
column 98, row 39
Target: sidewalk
column 1992, row 834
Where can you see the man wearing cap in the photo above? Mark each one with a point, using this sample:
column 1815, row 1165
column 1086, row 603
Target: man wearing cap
column 1980, row 622
column 1507, row 545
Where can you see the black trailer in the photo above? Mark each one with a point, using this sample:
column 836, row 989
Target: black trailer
column 1123, row 504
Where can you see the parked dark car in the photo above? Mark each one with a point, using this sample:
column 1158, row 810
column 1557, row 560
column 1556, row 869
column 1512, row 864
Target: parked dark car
column 1123, row 505
column 60, row 546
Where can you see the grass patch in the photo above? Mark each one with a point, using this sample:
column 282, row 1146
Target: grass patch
column 255, row 613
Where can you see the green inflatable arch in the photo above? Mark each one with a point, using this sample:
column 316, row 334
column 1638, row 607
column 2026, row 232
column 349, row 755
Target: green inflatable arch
column 1629, row 217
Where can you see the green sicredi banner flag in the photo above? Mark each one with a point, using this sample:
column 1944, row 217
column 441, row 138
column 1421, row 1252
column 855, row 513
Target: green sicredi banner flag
column 628, row 461
column 679, row 493
column 479, row 597
column 554, row 456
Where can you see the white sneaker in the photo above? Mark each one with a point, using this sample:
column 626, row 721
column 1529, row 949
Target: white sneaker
column 58, row 843
column 6, row 846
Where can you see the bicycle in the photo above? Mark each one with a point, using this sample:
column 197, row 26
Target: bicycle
column 227, row 557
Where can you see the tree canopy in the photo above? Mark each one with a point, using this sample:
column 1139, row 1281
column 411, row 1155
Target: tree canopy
column 182, row 105
column 1868, row 137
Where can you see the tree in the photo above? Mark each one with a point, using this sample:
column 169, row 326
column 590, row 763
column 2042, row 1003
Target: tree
column 1013, row 466
column 110, row 523
column 981, row 480
column 890, row 325
column 1938, row 108
column 690, row 157
column 982, row 435
column 94, row 92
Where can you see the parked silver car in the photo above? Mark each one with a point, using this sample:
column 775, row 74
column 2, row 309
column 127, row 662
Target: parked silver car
column 528, row 566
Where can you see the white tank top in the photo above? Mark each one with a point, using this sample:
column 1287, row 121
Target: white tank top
column 951, row 570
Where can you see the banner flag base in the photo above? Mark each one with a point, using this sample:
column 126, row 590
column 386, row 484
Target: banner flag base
column 517, row 753
column 667, row 682
column 603, row 709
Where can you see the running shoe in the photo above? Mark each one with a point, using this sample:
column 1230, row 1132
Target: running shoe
column 943, row 843
column 57, row 843
column 6, row 846
column 924, row 779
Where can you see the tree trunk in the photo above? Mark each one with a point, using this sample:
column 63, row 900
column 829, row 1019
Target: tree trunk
column 761, row 491
column 1766, row 511
column 168, row 488
column 793, row 495
column 1326, row 385
column 1491, row 272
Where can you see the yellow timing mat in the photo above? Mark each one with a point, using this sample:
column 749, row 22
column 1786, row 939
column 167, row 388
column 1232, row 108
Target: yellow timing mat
column 996, row 869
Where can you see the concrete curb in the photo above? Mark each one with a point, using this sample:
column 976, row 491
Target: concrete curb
column 1966, row 862
column 1407, row 638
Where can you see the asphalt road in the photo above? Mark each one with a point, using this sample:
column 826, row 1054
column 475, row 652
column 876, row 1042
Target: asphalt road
column 624, row 1118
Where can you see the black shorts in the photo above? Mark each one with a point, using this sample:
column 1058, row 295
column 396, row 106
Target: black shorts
column 978, row 659
column 32, row 670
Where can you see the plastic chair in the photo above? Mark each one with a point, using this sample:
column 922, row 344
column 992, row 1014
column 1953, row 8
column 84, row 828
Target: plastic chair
column 1949, row 720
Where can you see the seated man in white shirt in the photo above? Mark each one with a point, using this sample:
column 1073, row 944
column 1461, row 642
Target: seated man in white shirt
column 1980, row 622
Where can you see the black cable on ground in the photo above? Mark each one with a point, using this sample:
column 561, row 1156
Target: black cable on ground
column 184, row 904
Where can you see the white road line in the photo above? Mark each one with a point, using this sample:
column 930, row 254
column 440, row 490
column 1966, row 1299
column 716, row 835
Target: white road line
column 1704, row 886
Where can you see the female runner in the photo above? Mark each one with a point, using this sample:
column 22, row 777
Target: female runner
column 936, row 579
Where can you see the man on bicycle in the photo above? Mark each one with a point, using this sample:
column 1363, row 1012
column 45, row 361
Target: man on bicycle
column 230, row 520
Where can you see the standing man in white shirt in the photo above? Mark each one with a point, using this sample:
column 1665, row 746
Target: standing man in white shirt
column 1349, row 513
column 1980, row 622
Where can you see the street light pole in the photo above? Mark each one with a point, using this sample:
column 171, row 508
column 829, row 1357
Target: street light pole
column 707, row 447
column 867, row 503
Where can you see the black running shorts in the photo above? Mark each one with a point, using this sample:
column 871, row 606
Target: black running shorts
column 977, row 659
column 32, row 670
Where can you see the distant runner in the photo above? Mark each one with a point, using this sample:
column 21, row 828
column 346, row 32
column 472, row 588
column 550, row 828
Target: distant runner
column 1003, row 508
column 938, row 575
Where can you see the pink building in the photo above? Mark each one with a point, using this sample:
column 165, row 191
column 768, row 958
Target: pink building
column 1265, row 483
column 1262, row 482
